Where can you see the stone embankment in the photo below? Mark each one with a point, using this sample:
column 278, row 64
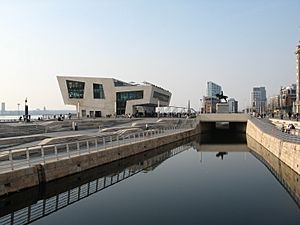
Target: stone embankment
column 28, row 177
column 283, row 173
column 283, row 147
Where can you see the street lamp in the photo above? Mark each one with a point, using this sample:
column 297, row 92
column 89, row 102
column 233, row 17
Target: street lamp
column 200, row 106
column 26, row 111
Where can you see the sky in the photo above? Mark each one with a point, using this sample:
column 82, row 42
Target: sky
column 179, row 45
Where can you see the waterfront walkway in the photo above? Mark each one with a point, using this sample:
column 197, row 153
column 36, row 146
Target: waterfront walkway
column 29, row 155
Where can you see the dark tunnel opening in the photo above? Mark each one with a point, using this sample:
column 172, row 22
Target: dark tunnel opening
column 223, row 133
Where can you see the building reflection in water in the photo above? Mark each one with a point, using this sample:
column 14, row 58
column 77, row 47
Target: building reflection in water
column 35, row 203
column 288, row 178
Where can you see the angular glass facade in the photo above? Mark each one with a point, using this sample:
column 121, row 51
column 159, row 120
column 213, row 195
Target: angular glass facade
column 161, row 97
column 213, row 89
column 75, row 89
column 98, row 91
column 122, row 97
column 119, row 83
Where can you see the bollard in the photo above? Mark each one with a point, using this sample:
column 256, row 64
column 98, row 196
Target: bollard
column 55, row 151
column 88, row 146
column 68, row 150
column 27, row 157
column 96, row 144
column 43, row 153
column 11, row 160
column 104, row 143
column 78, row 147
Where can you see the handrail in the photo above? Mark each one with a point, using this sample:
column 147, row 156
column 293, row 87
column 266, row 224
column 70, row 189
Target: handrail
column 17, row 158
column 45, row 207
column 272, row 130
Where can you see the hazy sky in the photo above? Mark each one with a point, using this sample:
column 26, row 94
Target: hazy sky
column 178, row 45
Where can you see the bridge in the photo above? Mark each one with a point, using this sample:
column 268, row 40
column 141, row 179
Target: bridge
column 224, row 117
column 235, row 122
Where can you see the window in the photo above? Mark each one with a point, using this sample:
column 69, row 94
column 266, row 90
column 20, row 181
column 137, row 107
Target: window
column 119, row 83
column 161, row 97
column 98, row 91
column 122, row 97
column 75, row 89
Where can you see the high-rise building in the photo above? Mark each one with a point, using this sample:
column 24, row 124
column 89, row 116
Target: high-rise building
column 259, row 99
column 298, row 78
column 3, row 107
column 213, row 89
column 233, row 105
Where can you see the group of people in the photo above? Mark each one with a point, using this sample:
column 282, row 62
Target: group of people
column 289, row 128
column 290, row 115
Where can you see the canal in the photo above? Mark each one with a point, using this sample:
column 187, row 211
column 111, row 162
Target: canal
column 188, row 182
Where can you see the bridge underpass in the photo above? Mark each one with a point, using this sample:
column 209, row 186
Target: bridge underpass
column 223, row 128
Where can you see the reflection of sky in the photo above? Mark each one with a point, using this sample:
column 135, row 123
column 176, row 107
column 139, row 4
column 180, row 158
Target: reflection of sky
column 181, row 190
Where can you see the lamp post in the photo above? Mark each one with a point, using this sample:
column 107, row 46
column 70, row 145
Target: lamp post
column 200, row 111
column 26, row 111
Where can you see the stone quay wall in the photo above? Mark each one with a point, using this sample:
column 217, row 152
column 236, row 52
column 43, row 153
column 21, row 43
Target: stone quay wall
column 38, row 174
column 287, row 152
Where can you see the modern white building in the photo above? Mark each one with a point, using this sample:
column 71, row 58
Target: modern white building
column 100, row 97
column 213, row 89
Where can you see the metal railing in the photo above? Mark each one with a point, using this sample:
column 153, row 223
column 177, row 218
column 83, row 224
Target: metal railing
column 268, row 128
column 17, row 158
column 45, row 207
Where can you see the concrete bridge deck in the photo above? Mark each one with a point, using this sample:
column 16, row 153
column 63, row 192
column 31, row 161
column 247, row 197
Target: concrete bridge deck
column 224, row 117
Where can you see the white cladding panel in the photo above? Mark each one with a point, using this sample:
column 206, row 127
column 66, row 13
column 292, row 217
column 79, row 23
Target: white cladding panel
column 108, row 104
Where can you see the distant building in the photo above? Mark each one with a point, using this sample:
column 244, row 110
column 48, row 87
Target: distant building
column 297, row 104
column 287, row 98
column 213, row 89
column 210, row 104
column 97, row 97
column 210, row 100
column 233, row 105
column 259, row 99
column 3, row 107
column 274, row 103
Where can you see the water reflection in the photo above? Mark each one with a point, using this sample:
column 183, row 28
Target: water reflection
column 289, row 179
column 32, row 204
column 35, row 203
column 221, row 154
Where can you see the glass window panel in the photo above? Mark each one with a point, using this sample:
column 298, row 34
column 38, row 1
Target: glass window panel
column 161, row 97
column 75, row 89
column 122, row 97
column 98, row 91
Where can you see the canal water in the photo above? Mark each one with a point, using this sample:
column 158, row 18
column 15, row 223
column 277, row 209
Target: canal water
column 183, row 183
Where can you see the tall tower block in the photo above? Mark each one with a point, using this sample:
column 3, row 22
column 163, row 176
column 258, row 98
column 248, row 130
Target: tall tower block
column 298, row 78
